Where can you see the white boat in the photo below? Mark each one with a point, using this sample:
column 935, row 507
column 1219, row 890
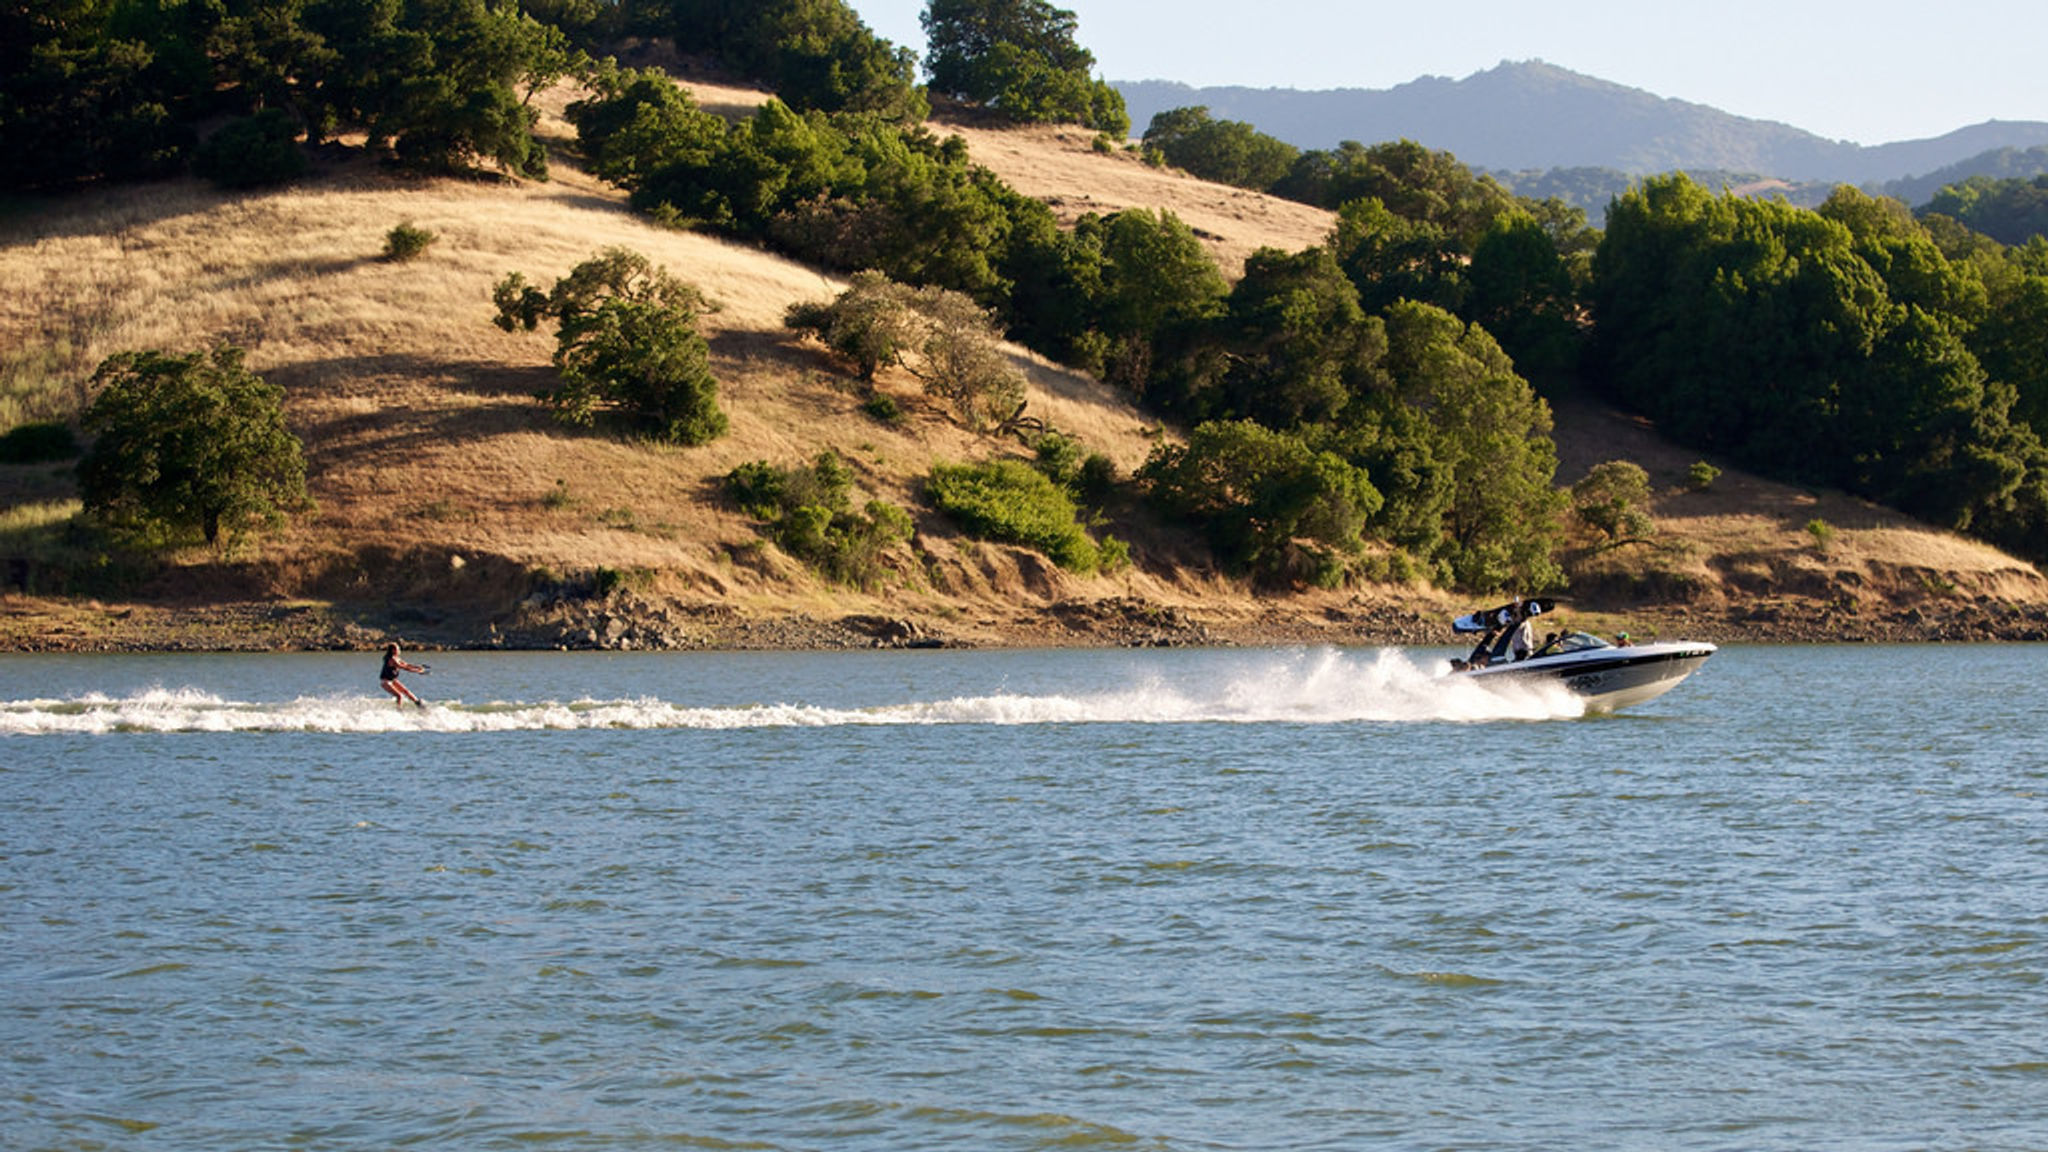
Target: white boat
column 1607, row 676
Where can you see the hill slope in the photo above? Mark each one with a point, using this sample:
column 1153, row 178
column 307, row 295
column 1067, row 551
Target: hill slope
column 452, row 511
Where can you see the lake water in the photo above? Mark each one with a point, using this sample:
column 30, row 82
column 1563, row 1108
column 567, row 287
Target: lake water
column 1263, row 899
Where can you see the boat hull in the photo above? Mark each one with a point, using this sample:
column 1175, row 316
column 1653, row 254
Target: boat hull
column 1608, row 679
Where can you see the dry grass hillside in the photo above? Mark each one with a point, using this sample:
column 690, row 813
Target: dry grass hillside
column 452, row 510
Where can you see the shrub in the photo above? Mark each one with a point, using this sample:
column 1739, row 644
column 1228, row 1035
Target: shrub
column 252, row 152
column 1822, row 533
column 810, row 516
column 1059, row 457
column 1098, row 479
column 39, row 443
column 1089, row 477
column 406, row 241
column 882, row 408
column 185, row 442
column 1011, row 502
column 1701, row 476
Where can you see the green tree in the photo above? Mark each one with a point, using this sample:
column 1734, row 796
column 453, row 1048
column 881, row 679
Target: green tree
column 1020, row 58
column 628, row 342
column 1487, row 437
column 1522, row 292
column 1413, row 182
column 1268, row 503
column 1298, row 344
column 1139, row 275
column 92, row 89
column 815, row 54
column 2012, row 344
column 1391, row 257
column 1224, row 151
column 189, row 442
column 2010, row 210
column 1613, row 500
column 637, row 122
column 435, row 82
column 872, row 325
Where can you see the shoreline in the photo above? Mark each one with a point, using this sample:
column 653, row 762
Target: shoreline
column 632, row 624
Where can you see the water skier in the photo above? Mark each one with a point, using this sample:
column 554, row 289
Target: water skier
column 393, row 665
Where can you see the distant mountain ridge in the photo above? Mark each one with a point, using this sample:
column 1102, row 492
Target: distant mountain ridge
column 1533, row 115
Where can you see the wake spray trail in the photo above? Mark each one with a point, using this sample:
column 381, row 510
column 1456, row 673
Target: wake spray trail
column 1299, row 687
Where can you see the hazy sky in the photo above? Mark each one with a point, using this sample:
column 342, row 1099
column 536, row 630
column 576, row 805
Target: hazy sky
column 1871, row 71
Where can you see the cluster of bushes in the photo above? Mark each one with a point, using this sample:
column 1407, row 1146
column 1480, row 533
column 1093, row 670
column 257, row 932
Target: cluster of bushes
column 808, row 511
column 1011, row 502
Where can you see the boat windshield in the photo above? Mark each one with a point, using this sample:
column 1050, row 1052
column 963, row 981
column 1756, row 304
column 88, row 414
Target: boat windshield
column 1580, row 642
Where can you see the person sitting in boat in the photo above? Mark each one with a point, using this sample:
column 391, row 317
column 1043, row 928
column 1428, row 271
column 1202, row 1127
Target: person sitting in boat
column 1621, row 640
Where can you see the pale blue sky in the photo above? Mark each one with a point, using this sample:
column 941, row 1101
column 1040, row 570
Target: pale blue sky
column 1871, row 71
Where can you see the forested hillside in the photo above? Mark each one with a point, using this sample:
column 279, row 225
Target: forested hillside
column 1355, row 401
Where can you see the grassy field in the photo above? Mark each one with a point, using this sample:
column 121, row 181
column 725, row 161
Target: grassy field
column 438, row 476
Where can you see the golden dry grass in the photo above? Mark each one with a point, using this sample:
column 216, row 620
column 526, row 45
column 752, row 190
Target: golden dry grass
column 1061, row 166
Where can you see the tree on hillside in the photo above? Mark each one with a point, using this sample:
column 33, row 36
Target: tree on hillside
column 638, row 122
column 1391, row 257
column 89, row 89
column 1522, row 292
column 1613, row 501
column 1225, row 151
column 939, row 336
column 1487, row 434
column 1142, row 275
column 436, row 82
column 1269, row 504
column 189, row 442
column 1020, row 58
column 814, row 54
column 627, row 342
column 1414, row 182
column 1297, row 344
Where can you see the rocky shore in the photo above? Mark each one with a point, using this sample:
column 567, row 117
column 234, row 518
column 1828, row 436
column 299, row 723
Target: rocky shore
column 633, row 623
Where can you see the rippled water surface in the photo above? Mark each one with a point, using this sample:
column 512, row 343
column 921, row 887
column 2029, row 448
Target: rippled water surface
column 917, row 900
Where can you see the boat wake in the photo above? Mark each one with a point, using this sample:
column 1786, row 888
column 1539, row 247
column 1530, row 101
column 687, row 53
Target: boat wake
column 1305, row 688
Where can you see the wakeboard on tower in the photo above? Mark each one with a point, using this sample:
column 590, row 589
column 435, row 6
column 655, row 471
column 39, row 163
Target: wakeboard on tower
column 1505, row 616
